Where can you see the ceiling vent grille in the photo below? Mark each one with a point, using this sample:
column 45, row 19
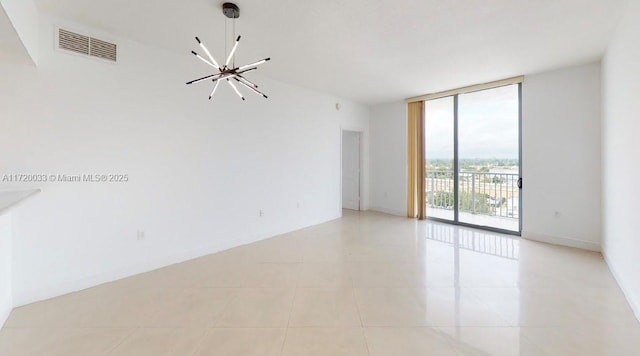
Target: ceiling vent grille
column 73, row 42
column 103, row 49
column 87, row 46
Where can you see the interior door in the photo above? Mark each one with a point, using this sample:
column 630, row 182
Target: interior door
column 351, row 170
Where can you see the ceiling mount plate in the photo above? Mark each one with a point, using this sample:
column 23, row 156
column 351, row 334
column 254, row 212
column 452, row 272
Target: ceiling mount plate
column 230, row 10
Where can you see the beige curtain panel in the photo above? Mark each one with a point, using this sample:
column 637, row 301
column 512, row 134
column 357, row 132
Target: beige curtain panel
column 416, row 207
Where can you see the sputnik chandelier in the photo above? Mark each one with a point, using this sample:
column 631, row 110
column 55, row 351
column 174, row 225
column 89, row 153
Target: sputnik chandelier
column 228, row 72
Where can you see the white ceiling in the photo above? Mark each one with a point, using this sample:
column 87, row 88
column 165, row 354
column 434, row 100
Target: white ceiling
column 371, row 51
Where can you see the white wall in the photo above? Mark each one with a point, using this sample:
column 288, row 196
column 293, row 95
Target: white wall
column 199, row 171
column 6, row 302
column 351, row 170
column 389, row 158
column 561, row 156
column 620, row 162
column 24, row 18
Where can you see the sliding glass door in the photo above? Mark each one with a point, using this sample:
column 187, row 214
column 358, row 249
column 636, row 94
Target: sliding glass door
column 439, row 137
column 472, row 150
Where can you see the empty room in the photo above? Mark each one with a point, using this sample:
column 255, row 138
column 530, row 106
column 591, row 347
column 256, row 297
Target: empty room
column 319, row 177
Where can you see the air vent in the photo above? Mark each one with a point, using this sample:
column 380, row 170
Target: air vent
column 103, row 49
column 86, row 45
column 73, row 42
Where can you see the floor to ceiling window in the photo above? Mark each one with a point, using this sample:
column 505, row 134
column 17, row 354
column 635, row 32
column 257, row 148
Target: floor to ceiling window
column 472, row 152
column 439, row 155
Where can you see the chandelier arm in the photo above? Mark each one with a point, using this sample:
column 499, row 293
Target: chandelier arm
column 246, row 70
column 235, row 89
column 252, row 88
column 204, row 48
column 227, row 77
column 254, row 64
column 215, row 86
column 246, row 81
column 233, row 51
column 204, row 78
column 203, row 59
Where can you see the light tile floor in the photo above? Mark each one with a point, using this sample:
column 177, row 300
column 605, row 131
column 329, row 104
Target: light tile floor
column 366, row 284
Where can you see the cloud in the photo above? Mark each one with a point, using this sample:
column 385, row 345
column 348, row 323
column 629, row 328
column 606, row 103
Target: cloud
column 487, row 125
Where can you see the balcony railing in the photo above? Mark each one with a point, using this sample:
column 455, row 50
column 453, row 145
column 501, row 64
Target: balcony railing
column 492, row 194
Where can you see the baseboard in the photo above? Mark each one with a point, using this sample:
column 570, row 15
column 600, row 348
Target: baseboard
column 36, row 295
column 562, row 241
column 387, row 211
column 634, row 307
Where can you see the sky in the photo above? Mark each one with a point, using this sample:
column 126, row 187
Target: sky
column 487, row 125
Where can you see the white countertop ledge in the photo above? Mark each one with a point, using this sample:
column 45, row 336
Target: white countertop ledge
column 9, row 198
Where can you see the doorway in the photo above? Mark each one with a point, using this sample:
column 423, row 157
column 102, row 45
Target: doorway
column 473, row 158
column 351, row 170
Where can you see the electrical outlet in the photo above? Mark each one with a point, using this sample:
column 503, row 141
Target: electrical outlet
column 140, row 235
column 261, row 213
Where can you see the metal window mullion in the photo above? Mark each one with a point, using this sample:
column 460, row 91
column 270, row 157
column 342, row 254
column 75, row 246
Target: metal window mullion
column 519, row 157
column 456, row 174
